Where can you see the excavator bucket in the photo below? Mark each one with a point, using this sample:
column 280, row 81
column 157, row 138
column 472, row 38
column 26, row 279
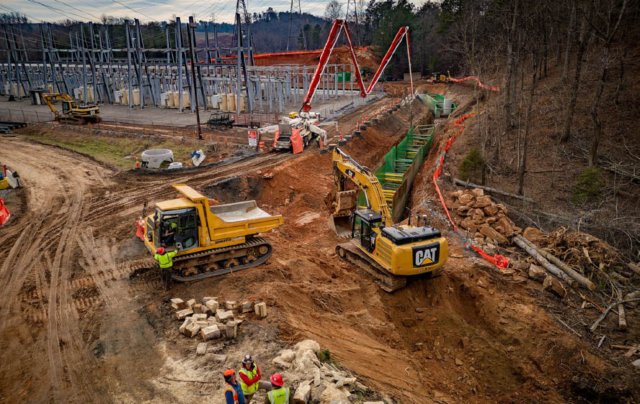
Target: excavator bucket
column 344, row 205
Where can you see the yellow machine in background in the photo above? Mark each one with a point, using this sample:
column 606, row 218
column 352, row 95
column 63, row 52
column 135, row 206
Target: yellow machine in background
column 388, row 252
column 71, row 111
column 211, row 240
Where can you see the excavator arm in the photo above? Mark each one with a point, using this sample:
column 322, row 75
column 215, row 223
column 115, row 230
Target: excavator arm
column 337, row 27
column 346, row 167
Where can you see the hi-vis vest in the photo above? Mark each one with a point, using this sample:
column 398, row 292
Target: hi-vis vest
column 246, row 389
column 279, row 396
column 230, row 388
column 165, row 260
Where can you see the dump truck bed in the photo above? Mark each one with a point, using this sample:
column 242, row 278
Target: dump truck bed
column 239, row 211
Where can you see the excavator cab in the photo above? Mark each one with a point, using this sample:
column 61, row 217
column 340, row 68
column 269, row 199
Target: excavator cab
column 364, row 221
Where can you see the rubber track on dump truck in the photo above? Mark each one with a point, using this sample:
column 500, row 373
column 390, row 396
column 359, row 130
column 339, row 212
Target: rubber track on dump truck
column 253, row 243
column 387, row 282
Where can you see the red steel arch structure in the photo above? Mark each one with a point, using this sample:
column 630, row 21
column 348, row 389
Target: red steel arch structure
column 338, row 27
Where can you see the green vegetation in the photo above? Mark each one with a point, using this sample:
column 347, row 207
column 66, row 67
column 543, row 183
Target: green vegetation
column 325, row 356
column 117, row 151
column 588, row 186
column 471, row 166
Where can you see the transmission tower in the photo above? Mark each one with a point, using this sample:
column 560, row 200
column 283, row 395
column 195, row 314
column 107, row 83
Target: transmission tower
column 304, row 40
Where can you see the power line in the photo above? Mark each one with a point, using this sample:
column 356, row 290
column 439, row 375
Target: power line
column 55, row 9
column 132, row 9
column 76, row 8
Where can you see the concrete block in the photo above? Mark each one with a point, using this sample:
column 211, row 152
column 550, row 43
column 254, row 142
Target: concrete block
column 208, row 298
column 184, row 325
column 191, row 302
column 231, row 329
column 230, row 305
column 261, row 309
column 246, row 307
column 212, row 305
column 202, row 323
column 178, row 304
column 201, row 349
column 199, row 316
column 198, row 308
column 224, row 315
column 192, row 329
column 210, row 332
column 303, row 393
column 182, row 314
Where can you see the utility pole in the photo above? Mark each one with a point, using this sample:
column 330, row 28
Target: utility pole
column 192, row 37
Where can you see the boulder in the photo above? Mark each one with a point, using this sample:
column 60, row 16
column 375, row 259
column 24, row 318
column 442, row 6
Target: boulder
column 477, row 192
column 261, row 309
column 230, row 305
column 201, row 349
column 184, row 325
column 536, row 272
column 492, row 234
column 191, row 302
column 334, row 395
column 192, row 329
column 307, row 345
column 554, row 286
column 506, row 225
column 303, row 393
column 212, row 305
column 482, row 201
column 231, row 329
column 200, row 317
column 198, row 308
column 466, row 199
column 246, row 307
column 490, row 210
column 306, row 363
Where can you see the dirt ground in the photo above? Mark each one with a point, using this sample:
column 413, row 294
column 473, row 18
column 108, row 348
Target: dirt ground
column 74, row 327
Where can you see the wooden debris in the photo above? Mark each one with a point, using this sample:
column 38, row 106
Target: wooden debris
column 622, row 317
column 520, row 242
column 578, row 277
column 607, row 310
column 632, row 351
column 601, row 341
column 634, row 267
column 489, row 189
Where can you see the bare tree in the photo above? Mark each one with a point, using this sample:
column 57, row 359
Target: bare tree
column 605, row 29
column 333, row 10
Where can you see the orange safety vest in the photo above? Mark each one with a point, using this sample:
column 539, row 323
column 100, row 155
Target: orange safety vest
column 230, row 388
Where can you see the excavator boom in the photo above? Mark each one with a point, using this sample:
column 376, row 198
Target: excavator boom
column 337, row 27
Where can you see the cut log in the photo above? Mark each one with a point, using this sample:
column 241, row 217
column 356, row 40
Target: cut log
column 492, row 190
column 622, row 317
column 554, row 270
column 578, row 277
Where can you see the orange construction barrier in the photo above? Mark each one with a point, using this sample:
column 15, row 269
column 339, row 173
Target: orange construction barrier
column 140, row 229
column 477, row 80
column 498, row 260
column 5, row 215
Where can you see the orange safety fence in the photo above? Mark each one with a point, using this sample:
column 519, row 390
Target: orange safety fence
column 5, row 215
column 498, row 260
column 477, row 80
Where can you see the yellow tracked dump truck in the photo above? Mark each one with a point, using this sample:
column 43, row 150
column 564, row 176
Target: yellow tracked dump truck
column 211, row 240
column 390, row 253
column 71, row 112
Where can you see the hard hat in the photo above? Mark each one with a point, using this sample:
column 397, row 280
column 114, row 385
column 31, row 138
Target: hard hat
column 247, row 359
column 229, row 373
column 160, row 250
column 276, row 380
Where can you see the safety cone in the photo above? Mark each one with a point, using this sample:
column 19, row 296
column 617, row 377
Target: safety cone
column 5, row 215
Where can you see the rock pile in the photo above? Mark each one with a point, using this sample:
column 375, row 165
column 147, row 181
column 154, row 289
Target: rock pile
column 210, row 319
column 486, row 221
column 315, row 381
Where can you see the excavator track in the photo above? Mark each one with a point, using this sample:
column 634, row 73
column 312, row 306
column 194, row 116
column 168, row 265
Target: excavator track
column 387, row 282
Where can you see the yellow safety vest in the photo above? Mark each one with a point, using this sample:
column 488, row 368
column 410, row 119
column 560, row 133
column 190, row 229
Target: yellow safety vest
column 279, row 396
column 246, row 389
column 165, row 260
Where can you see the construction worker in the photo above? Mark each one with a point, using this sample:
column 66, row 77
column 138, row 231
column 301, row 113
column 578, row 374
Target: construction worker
column 279, row 394
column 165, row 262
column 250, row 378
column 232, row 393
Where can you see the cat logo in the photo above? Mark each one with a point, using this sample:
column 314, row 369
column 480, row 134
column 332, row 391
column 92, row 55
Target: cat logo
column 427, row 255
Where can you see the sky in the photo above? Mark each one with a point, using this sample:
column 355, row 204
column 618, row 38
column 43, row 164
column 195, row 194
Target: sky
column 147, row 10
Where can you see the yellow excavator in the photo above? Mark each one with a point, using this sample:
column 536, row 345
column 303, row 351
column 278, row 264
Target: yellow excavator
column 71, row 112
column 211, row 239
column 389, row 252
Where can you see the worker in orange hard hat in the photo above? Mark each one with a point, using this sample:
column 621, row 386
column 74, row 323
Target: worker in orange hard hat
column 279, row 394
column 165, row 262
column 233, row 392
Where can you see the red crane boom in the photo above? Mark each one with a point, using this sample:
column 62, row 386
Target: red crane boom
column 337, row 27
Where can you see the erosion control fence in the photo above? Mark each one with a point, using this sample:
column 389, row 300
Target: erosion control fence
column 400, row 166
column 438, row 104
